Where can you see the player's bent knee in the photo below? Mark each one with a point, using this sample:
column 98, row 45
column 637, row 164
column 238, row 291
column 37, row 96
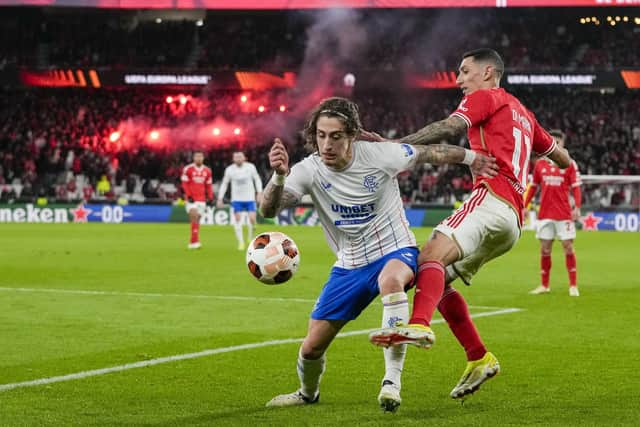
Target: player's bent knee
column 441, row 251
column 390, row 284
column 311, row 352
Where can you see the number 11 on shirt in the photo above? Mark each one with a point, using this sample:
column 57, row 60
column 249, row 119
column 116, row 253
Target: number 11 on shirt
column 518, row 171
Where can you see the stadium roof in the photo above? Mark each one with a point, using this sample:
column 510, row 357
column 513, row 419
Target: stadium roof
column 310, row 4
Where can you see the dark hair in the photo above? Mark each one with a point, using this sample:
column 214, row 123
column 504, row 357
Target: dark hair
column 557, row 133
column 487, row 55
column 198, row 151
column 342, row 109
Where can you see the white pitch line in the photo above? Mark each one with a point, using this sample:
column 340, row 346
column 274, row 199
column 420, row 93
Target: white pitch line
column 160, row 295
column 152, row 295
column 204, row 353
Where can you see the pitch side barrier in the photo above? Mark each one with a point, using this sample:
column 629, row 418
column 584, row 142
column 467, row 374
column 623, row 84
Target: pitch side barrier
column 303, row 215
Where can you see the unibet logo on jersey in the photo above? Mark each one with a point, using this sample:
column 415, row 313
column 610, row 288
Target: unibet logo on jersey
column 363, row 212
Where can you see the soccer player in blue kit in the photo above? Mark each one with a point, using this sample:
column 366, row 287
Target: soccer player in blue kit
column 354, row 189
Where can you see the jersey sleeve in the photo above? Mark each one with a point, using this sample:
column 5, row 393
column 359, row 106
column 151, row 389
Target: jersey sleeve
column 224, row 185
column 185, row 179
column 208, row 185
column 543, row 143
column 475, row 108
column 574, row 175
column 391, row 157
column 257, row 182
column 575, row 181
column 300, row 178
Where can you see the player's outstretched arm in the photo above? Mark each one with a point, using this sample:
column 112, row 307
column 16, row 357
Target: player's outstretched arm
column 274, row 197
column 560, row 156
column 436, row 132
column 445, row 153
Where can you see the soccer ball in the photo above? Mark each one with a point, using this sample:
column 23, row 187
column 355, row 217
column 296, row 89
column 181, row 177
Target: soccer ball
column 273, row 258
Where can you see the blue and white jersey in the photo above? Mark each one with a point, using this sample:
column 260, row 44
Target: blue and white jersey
column 245, row 182
column 359, row 207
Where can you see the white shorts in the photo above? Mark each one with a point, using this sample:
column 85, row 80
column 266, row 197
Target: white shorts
column 483, row 228
column 550, row 229
column 199, row 206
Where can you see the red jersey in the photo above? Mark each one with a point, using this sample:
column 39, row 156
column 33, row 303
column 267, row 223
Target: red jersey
column 500, row 126
column 555, row 185
column 197, row 183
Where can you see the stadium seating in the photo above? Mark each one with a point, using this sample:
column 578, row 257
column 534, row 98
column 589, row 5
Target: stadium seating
column 52, row 138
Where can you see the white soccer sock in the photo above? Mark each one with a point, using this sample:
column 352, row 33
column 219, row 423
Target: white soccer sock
column 249, row 230
column 310, row 372
column 395, row 308
column 238, row 229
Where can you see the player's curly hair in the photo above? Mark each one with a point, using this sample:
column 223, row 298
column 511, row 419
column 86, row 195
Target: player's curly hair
column 341, row 108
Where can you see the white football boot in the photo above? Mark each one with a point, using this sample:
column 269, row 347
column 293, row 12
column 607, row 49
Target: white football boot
column 389, row 397
column 292, row 399
column 540, row 290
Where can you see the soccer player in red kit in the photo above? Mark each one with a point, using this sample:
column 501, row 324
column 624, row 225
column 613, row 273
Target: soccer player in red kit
column 556, row 216
column 197, row 185
column 486, row 225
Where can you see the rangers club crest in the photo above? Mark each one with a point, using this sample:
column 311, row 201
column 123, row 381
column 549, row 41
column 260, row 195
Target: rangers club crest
column 370, row 183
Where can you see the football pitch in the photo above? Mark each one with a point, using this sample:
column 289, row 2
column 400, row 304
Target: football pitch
column 192, row 339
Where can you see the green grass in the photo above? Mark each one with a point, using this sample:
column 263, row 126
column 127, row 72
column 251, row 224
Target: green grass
column 566, row 361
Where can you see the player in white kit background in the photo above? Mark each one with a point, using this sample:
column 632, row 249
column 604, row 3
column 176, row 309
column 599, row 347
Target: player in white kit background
column 354, row 188
column 246, row 190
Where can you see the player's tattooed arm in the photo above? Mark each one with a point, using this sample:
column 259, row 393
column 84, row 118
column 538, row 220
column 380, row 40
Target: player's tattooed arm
column 274, row 199
column 436, row 132
column 445, row 153
column 440, row 154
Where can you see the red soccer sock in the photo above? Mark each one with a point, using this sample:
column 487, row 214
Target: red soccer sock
column 195, row 232
column 454, row 309
column 545, row 268
column 429, row 287
column 570, row 260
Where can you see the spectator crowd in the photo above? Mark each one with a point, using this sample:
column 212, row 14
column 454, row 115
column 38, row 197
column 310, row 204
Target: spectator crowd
column 58, row 143
column 73, row 144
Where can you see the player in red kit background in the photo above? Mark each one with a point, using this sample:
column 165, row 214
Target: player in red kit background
column 197, row 185
column 556, row 218
column 488, row 224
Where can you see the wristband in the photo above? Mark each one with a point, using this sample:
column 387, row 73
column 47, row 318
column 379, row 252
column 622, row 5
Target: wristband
column 278, row 179
column 469, row 157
